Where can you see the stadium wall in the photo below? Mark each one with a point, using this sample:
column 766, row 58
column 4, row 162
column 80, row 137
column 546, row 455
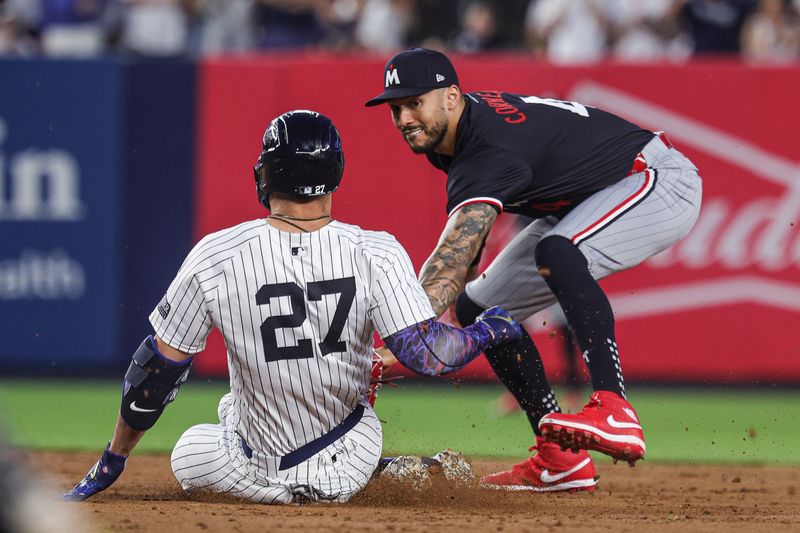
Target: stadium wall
column 719, row 307
column 96, row 169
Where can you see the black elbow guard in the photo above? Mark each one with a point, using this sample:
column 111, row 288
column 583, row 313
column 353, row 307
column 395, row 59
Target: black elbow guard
column 151, row 382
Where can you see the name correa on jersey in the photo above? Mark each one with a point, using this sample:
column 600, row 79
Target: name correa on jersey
column 535, row 156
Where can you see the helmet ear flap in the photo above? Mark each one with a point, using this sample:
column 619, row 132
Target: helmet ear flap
column 259, row 172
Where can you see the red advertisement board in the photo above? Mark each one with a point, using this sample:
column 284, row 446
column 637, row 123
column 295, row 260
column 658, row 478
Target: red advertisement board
column 721, row 306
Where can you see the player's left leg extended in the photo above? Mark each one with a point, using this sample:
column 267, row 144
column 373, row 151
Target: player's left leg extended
column 613, row 230
column 608, row 423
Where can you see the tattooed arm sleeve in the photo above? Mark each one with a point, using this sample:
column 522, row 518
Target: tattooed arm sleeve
column 432, row 348
column 444, row 274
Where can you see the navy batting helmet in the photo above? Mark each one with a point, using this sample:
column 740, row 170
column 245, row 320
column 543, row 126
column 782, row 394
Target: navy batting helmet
column 301, row 157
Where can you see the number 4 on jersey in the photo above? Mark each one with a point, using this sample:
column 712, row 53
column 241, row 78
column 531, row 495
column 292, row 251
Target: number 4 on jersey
column 573, row 107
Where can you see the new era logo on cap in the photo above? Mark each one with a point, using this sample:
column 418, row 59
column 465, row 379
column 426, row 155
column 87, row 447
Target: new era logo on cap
column 415, row 71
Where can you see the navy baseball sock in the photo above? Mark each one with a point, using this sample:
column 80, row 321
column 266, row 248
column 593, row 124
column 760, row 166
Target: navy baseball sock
column 586, row 307
column 519, row 366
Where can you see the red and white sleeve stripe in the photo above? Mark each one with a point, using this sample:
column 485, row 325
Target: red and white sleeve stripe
column 620, row 209
column 478, row 200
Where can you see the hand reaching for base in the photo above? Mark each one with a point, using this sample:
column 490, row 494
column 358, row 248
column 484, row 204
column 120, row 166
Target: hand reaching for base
column 100, row 477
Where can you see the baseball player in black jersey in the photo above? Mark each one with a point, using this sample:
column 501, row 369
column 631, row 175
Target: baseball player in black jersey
column 297, row 297
column 606, row 195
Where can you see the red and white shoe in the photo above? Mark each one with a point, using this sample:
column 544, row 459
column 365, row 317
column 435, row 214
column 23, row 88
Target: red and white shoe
column 607, row 424
column 550, row 470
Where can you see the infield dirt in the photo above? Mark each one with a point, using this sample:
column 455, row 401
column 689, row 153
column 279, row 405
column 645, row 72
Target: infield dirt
column 702, row 498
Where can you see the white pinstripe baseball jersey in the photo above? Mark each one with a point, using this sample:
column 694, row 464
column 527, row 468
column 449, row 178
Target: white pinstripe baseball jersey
column 297, row 311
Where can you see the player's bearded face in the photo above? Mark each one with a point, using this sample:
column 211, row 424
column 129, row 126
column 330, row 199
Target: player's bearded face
column 422, row 120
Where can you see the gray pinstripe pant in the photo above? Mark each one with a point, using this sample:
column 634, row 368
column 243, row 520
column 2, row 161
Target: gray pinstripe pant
column 210, row 457
column 615, row 229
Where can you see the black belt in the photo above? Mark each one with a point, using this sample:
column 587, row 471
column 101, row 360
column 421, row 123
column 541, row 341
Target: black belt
column 312, row 448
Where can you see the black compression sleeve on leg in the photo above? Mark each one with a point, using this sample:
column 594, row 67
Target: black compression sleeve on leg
column 586, row 307
column 519, row 366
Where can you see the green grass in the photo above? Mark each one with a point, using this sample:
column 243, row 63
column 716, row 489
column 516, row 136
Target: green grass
column 680, row 425
column 80, row 415
column 754, row 426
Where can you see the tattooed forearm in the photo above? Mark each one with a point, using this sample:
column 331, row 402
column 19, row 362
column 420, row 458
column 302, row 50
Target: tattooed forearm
column 444, row 274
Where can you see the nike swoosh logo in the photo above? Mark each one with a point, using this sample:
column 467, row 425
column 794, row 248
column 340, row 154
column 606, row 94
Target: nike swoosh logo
column 547, row 477
column 141, row 410
column 621, row 425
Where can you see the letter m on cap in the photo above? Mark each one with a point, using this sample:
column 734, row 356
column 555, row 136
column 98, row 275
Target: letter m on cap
column 392, row 77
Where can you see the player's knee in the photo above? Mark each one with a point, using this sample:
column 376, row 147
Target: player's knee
column 557, row 253
column 467, row 310
column 224, row 407
column 179, row 460
column 190, row 450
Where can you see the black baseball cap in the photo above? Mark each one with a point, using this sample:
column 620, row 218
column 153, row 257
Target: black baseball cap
column 415, row 71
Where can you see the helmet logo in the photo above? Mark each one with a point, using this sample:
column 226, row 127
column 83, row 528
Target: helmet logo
column 310, row 190
column 271, row 137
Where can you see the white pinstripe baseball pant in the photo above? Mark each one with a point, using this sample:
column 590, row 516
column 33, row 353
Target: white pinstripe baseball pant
column 211, row 457
column 616, row 228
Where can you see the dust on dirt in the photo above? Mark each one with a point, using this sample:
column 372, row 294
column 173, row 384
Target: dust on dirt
column 701, row 498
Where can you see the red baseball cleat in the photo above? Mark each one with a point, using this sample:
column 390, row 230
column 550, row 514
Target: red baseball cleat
column 607, row 424
column 550, row 470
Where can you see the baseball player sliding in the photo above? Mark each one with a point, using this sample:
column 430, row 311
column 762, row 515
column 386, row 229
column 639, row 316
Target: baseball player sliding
column 606, row 195
column 297, row 297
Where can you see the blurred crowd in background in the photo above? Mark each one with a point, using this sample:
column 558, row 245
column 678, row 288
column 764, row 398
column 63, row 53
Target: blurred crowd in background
column 562, row 31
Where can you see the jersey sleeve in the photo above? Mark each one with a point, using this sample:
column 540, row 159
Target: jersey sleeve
column 182, row 318
column 488, row 175
column 397, row 298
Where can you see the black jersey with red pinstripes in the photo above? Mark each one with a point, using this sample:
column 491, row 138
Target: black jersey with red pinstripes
column 535, row 156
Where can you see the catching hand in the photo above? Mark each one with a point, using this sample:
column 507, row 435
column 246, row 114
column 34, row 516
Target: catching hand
column 388, row 358
column 100, row 477
column 504, row 328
